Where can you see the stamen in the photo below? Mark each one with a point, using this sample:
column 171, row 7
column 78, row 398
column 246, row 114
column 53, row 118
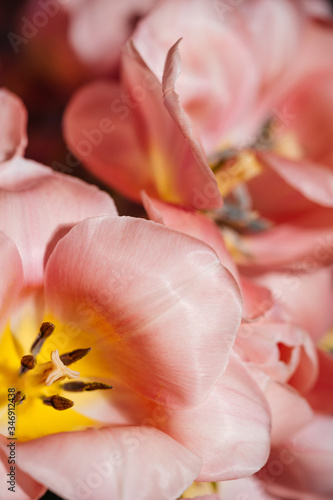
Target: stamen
column 45, row 332
column 58, row 402
column 28, row 362
column 240, row 220
column 73, row 356
column 79, row 386
column 59, row 370
column 19, row 397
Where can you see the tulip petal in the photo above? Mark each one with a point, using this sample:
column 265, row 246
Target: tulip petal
column 191, row 223
column 123, row 463
column 33, row 212
column 25, row 488
column 294, row 292
column 211, row 87
column 257, row 299
column 205, row 497
column 310, row 243
column 249, row 488
column 142, row 147
column 283, row 351
column 289, row 410
column 307, row 472
column 313, row 180
column 172, row 103
column 13, row 123
column 230, row 431
column 11, row 276
column 320, row 397
column 98, row 30
column 158, row 303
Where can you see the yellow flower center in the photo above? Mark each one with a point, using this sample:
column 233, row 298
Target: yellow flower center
column 42, row 383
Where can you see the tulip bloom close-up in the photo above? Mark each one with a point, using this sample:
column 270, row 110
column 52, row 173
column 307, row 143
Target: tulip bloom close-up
column 166, row 250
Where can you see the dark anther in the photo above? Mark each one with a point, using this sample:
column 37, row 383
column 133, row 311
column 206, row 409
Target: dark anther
column 58, row 402
column 78, row 386
column 28, row 362
column 45, row 332
column 73, row 356
column 19, row 397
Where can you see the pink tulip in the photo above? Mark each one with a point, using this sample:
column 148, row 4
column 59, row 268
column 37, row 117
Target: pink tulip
column 225, row 107
column 160, row 314
column 301, row 467
column 289, row 178
column 99, row 29
column 278, row 351
column 88, row 36
column 124, row 134
column 294, row 293
column 320, row 396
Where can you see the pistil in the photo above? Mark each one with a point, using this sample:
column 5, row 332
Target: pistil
column 59, row 370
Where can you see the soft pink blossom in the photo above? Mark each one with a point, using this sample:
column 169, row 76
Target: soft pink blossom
column 211, row 102
column 304, row 462
column 134, row 136
column 161, row 314
column 276, row 347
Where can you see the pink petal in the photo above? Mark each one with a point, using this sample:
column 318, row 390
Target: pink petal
column 290, row 411
column 115, row 155
column 310, row 243
column 191, row 223
column 318, row 8
column 205, row 497
column 38, row 206
column 283, row 351
column 281, row 204
column 251, row 487
column 211, row 86
column 159, row 303
column 320, row 397
column 13, row 123
column 11, row 276
column 26, row 488
column 306, row 472
column 99, row 29
column 257, row 299
column 299, row 305
column 121, row 463
column 142, row 147
column 311, row 122
column 119, row 406
column 230, row 430
column 172, row 103
column 313, row 180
